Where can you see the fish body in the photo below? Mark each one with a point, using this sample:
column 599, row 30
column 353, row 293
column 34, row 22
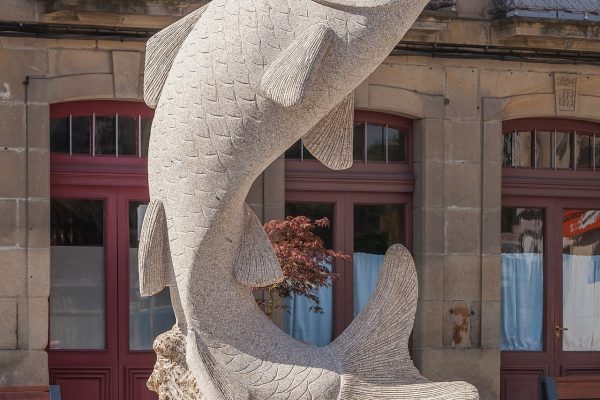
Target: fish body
column 248, row 79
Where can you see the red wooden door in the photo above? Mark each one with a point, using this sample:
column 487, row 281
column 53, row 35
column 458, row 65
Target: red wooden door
column 116, row 363
column 370, row 204
column 550, row 252
column 577, row 253
column 83, row 350
column 135, row 358
column 527, row 349
column 568, row 234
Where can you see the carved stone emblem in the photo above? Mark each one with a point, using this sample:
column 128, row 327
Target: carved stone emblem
column 565, row 90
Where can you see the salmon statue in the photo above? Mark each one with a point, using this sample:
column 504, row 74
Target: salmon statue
column 235, row 84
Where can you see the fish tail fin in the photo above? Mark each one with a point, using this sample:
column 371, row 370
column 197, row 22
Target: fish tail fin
column 154, row 255
column 375, row 345
column 256, row 264
column 373, row 351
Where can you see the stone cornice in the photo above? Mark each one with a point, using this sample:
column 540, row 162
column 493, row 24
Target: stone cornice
column 443, row 26
column 510, row 32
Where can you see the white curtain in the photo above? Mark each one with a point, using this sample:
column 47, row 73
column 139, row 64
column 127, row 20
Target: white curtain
column 581, row 303
column 366, row 272
column 522, row 302
column 77, row 300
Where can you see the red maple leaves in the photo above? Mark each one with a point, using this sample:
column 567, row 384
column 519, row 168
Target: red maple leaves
column 305, row 261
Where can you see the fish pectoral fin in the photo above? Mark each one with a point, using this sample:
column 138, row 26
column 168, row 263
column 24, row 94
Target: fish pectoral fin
column 154, row 257
column 287, row 80
column 256, row 264
column 161, row 50
column 331, row 140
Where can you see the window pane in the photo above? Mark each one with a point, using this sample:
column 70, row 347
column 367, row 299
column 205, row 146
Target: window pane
column 293, row 153
column 127, row 136
column 300, row 322
column 358, row 142
column 375, row 143
column 314, row 211
column 396, row 145
column 146, row 127
column 522, row 279
column 105, row 134
column 581, row 280
column 82, row 128
column 376, row 227
column 583, row 151
column 507, row 140
column 517, row 149
column 521, row 152
column 77, row 222
column 597, row 151
column 77, row 306
column 59, row 135
column 543, row 151
column 563, row 150
column 148, row 316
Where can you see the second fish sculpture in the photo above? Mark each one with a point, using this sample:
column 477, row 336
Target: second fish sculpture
column 234, row 85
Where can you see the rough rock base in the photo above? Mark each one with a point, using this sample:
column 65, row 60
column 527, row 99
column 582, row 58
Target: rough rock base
column 171, row 379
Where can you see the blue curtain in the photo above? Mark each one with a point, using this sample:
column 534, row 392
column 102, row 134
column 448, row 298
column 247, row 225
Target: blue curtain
column 366, row 273
column 522, row 302
column 581, row 302
column 306, row 325
column 314, row 328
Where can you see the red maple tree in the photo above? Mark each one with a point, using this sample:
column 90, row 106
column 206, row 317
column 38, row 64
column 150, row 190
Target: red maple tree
column 303, row 258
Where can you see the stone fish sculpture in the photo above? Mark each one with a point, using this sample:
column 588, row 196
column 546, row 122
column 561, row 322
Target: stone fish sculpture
column 234, row 85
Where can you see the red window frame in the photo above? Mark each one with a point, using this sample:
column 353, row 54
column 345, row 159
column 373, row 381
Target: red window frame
column 98, row 165
column 118, row 373
column 552, row 190
column 311, row 175
column 363, row 183
column 550, row 182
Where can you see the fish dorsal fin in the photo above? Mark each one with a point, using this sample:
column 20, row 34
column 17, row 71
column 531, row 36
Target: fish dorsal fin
column 330, row 141
column 153, row 250
column 161, row 50
column 256, row 264
column 288, row 78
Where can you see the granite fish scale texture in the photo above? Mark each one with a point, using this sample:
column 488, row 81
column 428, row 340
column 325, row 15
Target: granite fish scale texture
column 275, row 381
column 216, row 128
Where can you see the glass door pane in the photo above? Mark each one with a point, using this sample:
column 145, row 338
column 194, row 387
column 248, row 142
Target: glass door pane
column 148, row 316
column 301, row 322
column 376, row 227
column 77, row 277
column 581, row 280
column 522, row 279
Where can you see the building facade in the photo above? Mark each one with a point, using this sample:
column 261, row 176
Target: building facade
column 477, row 145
